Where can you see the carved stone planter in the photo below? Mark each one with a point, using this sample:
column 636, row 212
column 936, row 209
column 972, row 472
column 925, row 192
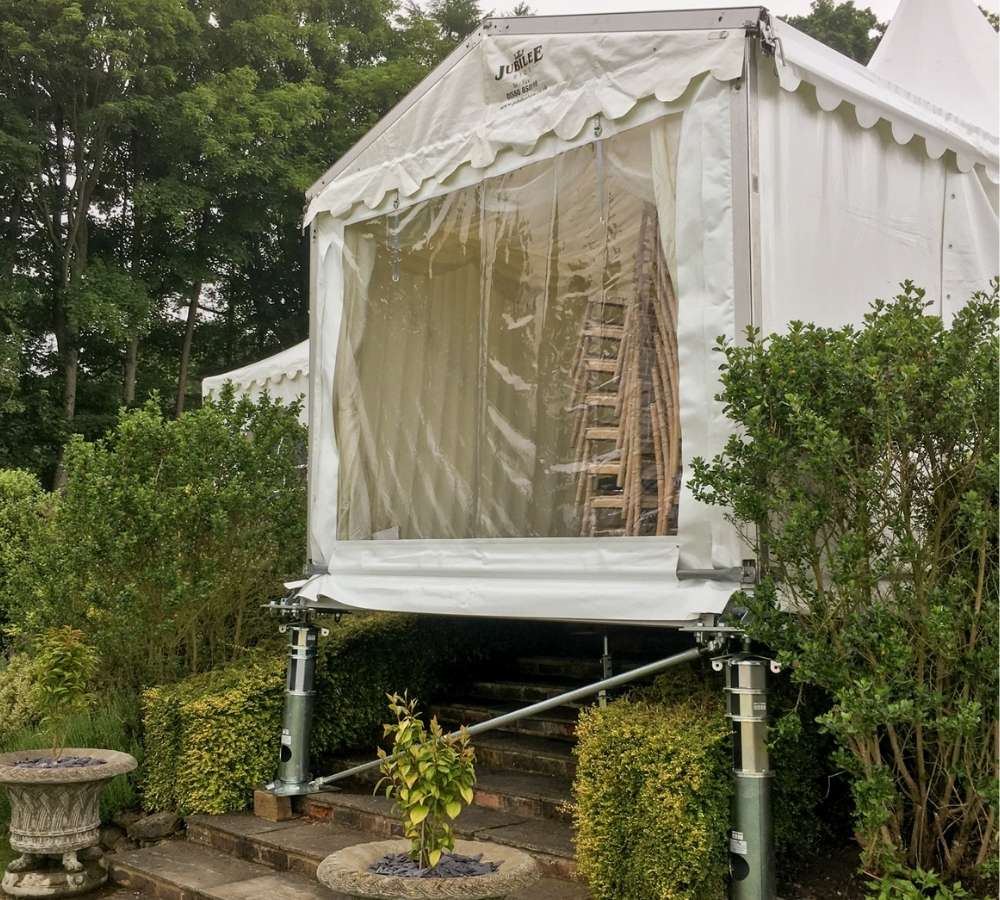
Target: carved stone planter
column 347, row 871
column 55, row 822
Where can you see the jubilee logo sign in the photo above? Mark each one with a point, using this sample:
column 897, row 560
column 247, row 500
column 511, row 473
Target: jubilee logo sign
column 522, row 60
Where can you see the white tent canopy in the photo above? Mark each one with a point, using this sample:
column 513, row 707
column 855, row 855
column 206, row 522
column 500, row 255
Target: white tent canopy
column 945, row 52
column 725, row 170
column 284, row 376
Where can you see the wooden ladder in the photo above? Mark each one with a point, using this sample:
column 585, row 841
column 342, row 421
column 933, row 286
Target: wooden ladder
column 625, row 395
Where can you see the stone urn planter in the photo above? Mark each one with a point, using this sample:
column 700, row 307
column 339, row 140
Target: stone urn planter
column 55, row 822
column 347, row 871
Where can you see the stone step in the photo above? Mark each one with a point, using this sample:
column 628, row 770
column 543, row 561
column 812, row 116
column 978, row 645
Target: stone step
column 576, row 671
column 525, row 794
column 241, row 857
column 558, row 723
column 523, row 692
column 523, row 753
column 185, row 870
column 549, row 841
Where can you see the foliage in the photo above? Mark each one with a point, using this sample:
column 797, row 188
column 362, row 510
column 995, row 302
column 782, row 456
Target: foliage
column 915, row 884
column 152, row 167
column 844, row 27
column 991, row 17
column 652, row 794
column 112, row 725
column 211, row 738
column 429, row 777
column 865, row 478
column 23, row 507
column 20, row 695
column 66, row 664
column 158, row 547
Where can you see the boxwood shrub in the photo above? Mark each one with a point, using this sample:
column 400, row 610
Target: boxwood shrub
column 653, row 788
column 212, row 737
column 652, row 795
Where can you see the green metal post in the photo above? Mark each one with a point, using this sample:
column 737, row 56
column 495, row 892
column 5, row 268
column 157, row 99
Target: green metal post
column 293, row 761
column 751, row 840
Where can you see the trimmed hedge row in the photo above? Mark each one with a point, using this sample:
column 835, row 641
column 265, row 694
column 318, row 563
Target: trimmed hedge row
column 213, row 737
column 652, row 795
column 653, row 790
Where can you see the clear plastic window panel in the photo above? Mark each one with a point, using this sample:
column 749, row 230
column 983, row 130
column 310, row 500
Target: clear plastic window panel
column 507, row 364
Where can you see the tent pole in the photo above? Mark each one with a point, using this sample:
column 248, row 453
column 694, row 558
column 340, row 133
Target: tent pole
column 296, row 727
column 751, row 840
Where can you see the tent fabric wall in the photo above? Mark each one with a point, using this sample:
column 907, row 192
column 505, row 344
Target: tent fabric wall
column 284, row 376
column 470, row 573
column 860, row 183
column 847, row 214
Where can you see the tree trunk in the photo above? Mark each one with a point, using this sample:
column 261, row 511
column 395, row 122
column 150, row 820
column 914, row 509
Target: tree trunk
column 131, row 365
column 192, row 318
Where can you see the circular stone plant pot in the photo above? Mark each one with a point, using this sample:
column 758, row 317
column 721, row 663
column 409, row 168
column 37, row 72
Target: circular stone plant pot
column 347, row 871
column 55, row 815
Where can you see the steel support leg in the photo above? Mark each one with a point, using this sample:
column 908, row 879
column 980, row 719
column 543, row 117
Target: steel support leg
column 293, row 760
column 751, row 841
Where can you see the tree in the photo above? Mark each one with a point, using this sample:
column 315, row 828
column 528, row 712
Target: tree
column 156, row 549
column 842, row 26
column 74, row 72
column 864, row 476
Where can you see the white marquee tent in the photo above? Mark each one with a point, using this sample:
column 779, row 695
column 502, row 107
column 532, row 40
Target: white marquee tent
column 518, row 277
column 285, row 377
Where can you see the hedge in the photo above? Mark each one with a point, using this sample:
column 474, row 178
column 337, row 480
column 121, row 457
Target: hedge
column 211, row 738
column 652, row 794
column 653, row 789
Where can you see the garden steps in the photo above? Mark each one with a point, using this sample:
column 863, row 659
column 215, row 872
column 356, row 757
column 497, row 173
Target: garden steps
column 241, row 857
column 529, row 794
column 297, row 846
column 557, row 724
column 184, row 870
column 549, row 841
column 523, row 753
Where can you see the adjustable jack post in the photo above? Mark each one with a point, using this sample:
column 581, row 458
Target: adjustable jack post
column 294, row 775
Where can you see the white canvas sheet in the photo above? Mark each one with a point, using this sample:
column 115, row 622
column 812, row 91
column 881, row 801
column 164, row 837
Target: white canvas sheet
column 284, row 376
column 578, row 579
column 847, row 214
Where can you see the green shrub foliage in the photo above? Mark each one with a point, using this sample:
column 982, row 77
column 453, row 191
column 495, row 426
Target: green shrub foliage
column 654, row 786
column 213, row 737
column 652, row 794
column 23, row 509
column 867, row 465
column 20, row 695
column 168, row 537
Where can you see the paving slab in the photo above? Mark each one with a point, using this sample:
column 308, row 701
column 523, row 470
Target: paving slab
column 188, row 868
column 277, row 886
column 535, row 836
column 243, row 824
column 553, row 889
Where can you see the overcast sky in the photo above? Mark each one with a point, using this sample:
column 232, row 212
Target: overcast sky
column 882, row 8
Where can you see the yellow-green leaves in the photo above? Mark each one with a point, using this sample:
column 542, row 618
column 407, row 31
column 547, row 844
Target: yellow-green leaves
column 430, row 777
